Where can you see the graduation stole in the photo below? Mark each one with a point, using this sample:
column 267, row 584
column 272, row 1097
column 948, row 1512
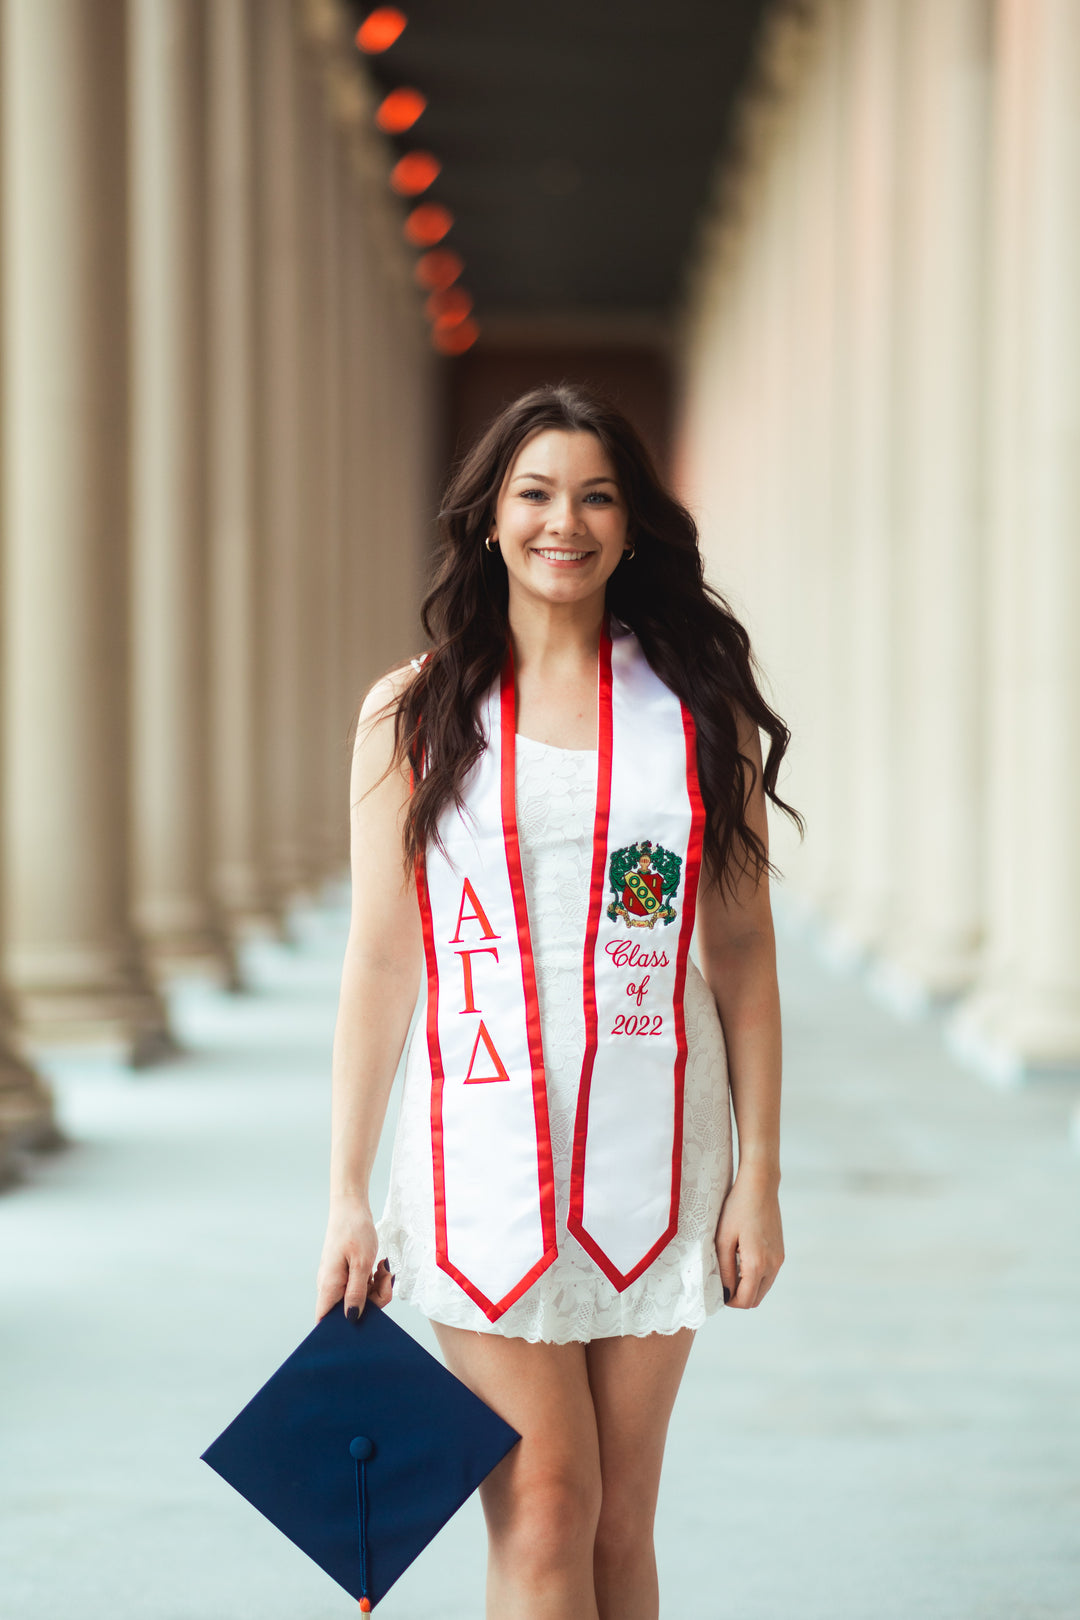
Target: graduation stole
column 491, row 1145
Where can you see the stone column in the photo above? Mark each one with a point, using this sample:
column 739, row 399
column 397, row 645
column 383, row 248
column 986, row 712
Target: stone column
column 407, row 533
column 1025, row 1015
column 422, row 385
column 332, row 724
column 972, row 1029
column 867, row 899
column 170, row 708
column 369, row 423
column 358, row 608
column 238, row 656
column 818, row 620
column 398, row 544
column 73, row 962
column 286, row 530
column 933, row 948
column 26, row 1105
column 313, row 494
column 377, row 539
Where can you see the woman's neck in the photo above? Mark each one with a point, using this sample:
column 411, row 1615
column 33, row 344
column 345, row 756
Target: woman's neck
column 554, row 635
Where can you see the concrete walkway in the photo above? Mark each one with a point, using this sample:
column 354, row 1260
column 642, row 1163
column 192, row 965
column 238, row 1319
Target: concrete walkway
column 895, row 1433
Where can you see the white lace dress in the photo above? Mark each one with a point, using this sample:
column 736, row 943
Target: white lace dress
column 572, row 1299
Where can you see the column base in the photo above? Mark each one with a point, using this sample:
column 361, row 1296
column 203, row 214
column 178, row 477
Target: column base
column 204, row 954
column 1012, row 1036
column 244, row 903
column 864, row 919
column 1074, row 1129
column 27, row 1114
column 842, row 948
column 846, row 938
column 291, row 870
column 912, row 980
column 132, row 1026
column 9, row 1164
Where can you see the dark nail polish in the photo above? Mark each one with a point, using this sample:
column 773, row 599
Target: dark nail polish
column 393, row 1278
column 386, row 1265
column 353, row 1313
column 727, row 1293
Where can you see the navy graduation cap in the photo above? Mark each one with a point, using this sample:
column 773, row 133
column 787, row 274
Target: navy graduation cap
column 360, row 1448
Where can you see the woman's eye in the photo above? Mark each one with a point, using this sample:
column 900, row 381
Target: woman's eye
column 598, row 495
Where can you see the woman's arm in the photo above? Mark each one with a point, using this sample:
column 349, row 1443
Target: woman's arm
column 379, row 982
column 738, row 961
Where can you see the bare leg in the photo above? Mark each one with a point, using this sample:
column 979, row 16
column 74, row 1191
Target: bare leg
column 542, row 1502
column 634, row 1382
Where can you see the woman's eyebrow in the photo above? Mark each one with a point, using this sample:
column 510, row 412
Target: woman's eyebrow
column 542, row 478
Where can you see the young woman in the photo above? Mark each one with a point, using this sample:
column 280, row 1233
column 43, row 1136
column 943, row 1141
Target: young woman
column 542, row 808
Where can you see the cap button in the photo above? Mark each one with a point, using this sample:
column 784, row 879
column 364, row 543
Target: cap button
column 361, row 1448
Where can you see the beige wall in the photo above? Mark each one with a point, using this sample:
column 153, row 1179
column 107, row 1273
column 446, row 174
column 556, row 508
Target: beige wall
column 880, row 428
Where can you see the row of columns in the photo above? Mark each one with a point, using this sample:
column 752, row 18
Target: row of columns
column 215, row 489
column 881, row 427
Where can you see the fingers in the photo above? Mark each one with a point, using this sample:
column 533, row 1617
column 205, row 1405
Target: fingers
column 756, row 1274
column 356, row 1294
column 725, row 1254
column 745, row 1296
column 749, row 1244
column 329, row 1287
column 377, row 1287
column 381, row 1287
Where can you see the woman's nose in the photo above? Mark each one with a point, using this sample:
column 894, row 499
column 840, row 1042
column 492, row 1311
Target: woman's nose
column 563, row 516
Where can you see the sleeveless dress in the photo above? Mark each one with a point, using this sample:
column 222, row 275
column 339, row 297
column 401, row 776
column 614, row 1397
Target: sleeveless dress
column 572, row 1300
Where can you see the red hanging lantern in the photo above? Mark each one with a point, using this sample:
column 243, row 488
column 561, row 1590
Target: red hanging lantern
column 380, row 29
column 456, row 337
column 438, row 269
column 428, row 224
column 448, row 305
column 413, row 173
column 399, row 111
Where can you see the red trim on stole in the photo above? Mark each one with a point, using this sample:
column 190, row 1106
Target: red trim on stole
column 693, row 871
column 574, row 1223
column 546, row 1173
column 596, row 901
column 438, row 1077
column 544, row 1162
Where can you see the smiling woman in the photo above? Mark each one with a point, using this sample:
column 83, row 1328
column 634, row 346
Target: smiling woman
column 567, row 784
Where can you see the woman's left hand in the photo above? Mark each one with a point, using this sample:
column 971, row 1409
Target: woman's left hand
column 750, row 1224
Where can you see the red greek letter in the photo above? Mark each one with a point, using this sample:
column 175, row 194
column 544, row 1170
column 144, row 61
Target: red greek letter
column 501, row 1073
column 477, row 914
column 466, row 968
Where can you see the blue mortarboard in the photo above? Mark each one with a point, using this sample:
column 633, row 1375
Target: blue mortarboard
column 360, row 1448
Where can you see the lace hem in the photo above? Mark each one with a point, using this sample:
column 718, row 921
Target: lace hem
column 571, row 1303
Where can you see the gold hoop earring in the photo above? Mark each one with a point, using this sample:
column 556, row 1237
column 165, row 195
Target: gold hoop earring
column 628, row 552
column 491, row 542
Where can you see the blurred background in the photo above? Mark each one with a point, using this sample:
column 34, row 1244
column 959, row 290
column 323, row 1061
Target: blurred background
column 266, row 266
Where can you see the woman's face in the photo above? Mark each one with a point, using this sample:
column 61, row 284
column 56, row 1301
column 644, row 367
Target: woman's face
column 560, row 518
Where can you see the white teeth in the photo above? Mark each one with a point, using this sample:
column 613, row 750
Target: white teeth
column 560, row 556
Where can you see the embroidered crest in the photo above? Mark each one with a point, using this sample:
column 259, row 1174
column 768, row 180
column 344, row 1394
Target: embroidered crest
column 643, row 877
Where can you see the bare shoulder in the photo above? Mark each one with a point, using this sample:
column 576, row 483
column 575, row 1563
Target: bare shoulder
column 382, row 699
column 374, row 750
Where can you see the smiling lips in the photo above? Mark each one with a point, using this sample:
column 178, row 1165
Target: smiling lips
column 550, row 554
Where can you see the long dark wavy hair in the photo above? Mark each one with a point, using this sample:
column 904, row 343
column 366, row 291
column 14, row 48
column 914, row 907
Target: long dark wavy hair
column 687, row 631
